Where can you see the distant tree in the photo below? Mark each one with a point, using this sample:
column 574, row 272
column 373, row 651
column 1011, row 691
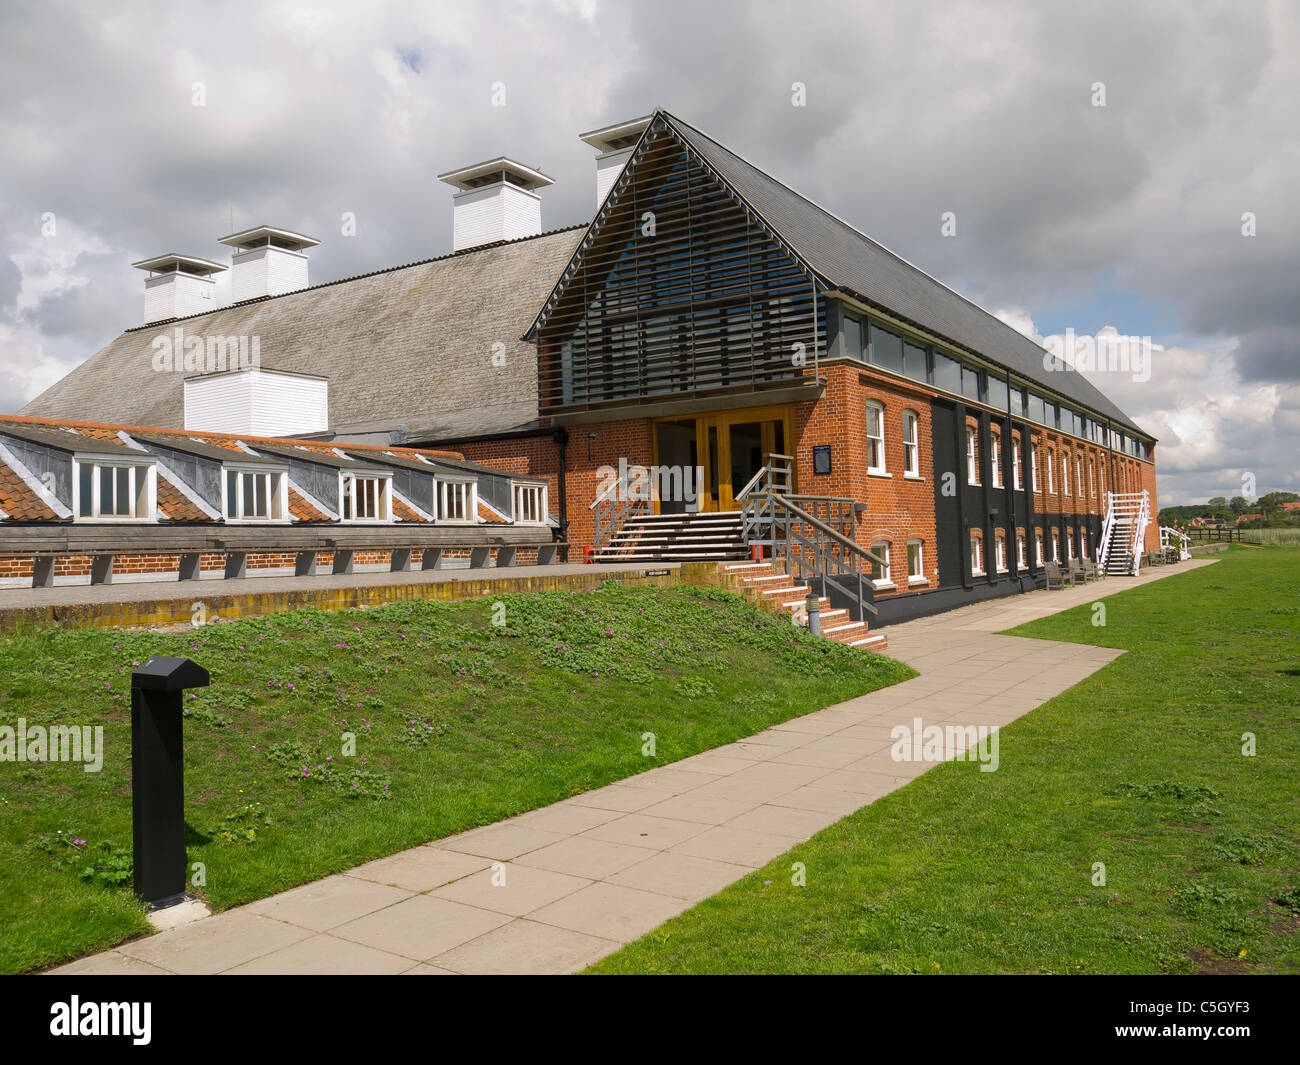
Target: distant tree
column 1217, row 501
column 1239, row 505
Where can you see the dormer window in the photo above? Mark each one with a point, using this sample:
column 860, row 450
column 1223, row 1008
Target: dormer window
column 366, row 496
column 255, row 494
column 458, row 501
column 115, row 489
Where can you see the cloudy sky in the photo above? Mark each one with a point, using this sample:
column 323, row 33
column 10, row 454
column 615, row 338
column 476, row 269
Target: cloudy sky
column 132, row 129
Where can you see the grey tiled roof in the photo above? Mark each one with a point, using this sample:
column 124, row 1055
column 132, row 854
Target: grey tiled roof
column 410, row 345
column 848, row 259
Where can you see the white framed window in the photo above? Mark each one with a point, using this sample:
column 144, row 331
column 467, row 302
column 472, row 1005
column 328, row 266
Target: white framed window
column 530, row 504
column 1065, row 474
column 1092, row 478
column 972, row 457
column 1017, row 478
column 366, row 497
column 977, row 555
column 117, row 489
column 1069, row 541
column 875, row 437
column 880, row 570
column 1033, row 466
column 1038, row 546
column 1000, row 551
column 915, row 563
column 458, row 501
column 995, row 458
column 1083, row 542
column 1022, row 560
column 254, row 493
column 1056, row 546
column 1078, row 474
column 1051, row 470
column 911, row 445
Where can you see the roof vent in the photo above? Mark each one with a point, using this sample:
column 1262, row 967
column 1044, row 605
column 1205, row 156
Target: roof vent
column 267, row 262
column 178, row 286
column 615, row 144
column 496, row 202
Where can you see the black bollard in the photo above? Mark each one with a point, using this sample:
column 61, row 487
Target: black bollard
column 158, row 776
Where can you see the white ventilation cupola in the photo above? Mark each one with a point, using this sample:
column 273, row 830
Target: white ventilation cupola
column 178, row 286
column 267, row 262
column 615, row 144
column 497, row 201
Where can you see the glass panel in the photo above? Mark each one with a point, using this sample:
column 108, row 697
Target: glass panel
column 1018, row 402
column 678, row 451
column 232, row 494
column 914, row 361
column 970, row 382
column 746, row 453
column 886, row 349
column 1037, row 411
column 122, row 491
column 86, row 490
column 914, row 560
column 259, row 486
column 997, row 393
column 852, row 337
column 947, row 373
column 713, row 465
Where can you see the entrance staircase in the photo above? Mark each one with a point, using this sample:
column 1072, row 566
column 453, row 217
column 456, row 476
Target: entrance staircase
column 774, row 590
column 1123, row 532
column 716, row 537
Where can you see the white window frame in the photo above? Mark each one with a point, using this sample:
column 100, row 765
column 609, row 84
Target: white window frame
column 881, row 548
column 1000, row 551
column 1069, row 542
column 141, row 514
column 1038, row 548
column 464, row 489
column 995, row 458
column 972, row 457
column 876, row 441
column 1033, row 465
column 1056, row 545
column 1078, row 474
column 1092, row 478
column 911, row 445
column 347, row 491
column 1083, row 543
column 277, row 499
column 529, row 499
column 1022, row 552
column 1018, row 478
column 917, row 577
column 1051, row 471
column 977, row 556
column 1065, row 473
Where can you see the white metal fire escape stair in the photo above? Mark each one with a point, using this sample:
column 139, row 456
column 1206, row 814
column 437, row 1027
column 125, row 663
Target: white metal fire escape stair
column 1123, row 532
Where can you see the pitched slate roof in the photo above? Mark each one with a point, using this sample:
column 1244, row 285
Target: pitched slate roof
column 848, row 259
column 410, row 345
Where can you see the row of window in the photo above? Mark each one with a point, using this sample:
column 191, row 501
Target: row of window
column 872, row 343
column 995, row 444
column 1074, row 548
column 126, row 489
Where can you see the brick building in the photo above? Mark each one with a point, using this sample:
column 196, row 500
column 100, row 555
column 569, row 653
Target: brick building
column 707, row 322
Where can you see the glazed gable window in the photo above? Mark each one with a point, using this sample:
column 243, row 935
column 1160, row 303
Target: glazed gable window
column 458, row 501
column 255, row 495
column 911, row 445
column 115, row 489
column 366, row 497
column 875, row 437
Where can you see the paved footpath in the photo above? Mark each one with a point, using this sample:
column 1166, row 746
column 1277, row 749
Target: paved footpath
column 586, row 875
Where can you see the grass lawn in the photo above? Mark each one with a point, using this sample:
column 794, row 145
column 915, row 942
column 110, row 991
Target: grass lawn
column 1140, row 767
column 458, row 723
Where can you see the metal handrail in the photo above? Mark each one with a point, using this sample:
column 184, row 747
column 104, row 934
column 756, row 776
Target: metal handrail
column 612, row 514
